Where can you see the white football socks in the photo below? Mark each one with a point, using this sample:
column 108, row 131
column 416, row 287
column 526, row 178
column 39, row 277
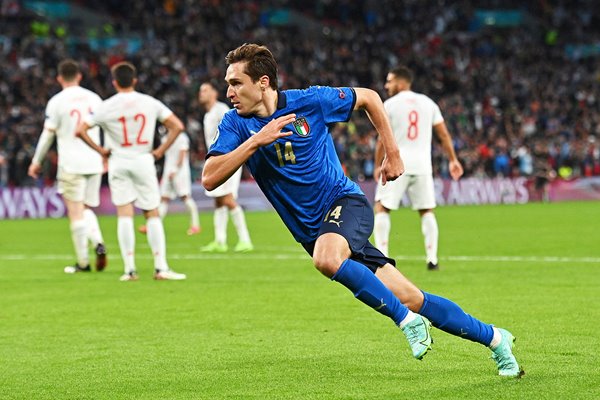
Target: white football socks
column 496, row 339
column 220, row 220
column 163, row 207
column 382, row 231
column 429, row 227
column 156, row 239
column 80, row 242
column 239, row 221
column 193, row 209
column 126, row 238
column 94, row 233
column 409, row 318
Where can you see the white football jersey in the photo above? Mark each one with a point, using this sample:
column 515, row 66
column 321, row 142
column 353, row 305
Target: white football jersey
column 172, row 154
column 412, row 116
column 212, row 119
column 64, row 112
column 129, row 120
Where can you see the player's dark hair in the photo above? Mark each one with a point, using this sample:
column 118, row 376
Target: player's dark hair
column 402, row 72
column 68, row 69
column 212, row 83
column 259, row 62
column 124, row 73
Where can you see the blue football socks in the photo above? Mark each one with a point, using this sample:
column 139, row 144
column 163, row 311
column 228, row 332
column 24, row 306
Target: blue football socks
column 370, row 290
column 449, row 317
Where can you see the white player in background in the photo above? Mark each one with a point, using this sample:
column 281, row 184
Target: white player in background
column 412, row 116
column 225, row 195
column 79, row 167
column 176, row 181
column 129, row 120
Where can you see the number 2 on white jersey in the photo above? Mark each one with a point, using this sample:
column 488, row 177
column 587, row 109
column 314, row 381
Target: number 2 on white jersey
column 77, row 114
column 413, row 128
column 126, row 142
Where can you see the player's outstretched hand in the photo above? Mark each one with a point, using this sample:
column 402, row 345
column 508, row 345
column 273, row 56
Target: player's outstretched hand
column 34, row 170
column 272, row 131
column 456, row 169
column 391, row 167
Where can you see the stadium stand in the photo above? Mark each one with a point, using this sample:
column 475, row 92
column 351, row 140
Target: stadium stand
column 516, row 81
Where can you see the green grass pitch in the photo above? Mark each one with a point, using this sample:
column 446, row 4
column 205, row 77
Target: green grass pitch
column 267, row 325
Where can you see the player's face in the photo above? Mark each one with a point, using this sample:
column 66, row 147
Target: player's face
column 207, row 94
column 392, row 84
column 245, row 96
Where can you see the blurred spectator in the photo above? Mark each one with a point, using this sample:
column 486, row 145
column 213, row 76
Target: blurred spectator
column 504, row 91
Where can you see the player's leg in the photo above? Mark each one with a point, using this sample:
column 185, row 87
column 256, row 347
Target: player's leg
column 232, row 186
column 448, row 316
column 182, row 185
column 220, row 218
column 122, row 195
column 383, row 225
column 192, row 207
column 148, row 199
column 244, row 243
column 387, row 197
column 422, row 196
column 163, row 207
column 343, row 233
column 78, row 235
column 429, row 228
column 72, row 188
column 92, row 199
column 126, row 238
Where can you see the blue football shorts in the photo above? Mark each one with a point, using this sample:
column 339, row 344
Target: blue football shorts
column 352, row 217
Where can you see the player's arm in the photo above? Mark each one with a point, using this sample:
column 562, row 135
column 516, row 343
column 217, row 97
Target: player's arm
column 218, row 169
column 391, row 162
column 174, row 128
column 81, row 132
column 455, row 168
column 46, row 139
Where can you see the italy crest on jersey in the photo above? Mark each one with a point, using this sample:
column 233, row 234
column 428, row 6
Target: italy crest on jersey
column 301, row 126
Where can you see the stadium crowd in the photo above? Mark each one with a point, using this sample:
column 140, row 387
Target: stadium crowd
column 519, row 100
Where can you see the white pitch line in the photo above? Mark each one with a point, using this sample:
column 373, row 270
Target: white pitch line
column 301, row 256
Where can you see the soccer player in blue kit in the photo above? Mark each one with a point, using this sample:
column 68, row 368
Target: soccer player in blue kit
column 283, row 137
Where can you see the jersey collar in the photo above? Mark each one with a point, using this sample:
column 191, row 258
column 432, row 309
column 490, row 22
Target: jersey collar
column 281, row 100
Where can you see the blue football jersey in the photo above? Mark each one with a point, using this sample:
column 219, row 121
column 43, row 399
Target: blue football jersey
column 301, row 174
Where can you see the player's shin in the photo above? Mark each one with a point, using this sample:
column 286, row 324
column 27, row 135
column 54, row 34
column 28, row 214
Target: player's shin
column 381, row 231
column 239, row 221
column 157, row 242
column 79, row 236
column 220, row 220
column 126, row 238
column 370, row 290
column 193, row 209
column 93, row 228
column 429, row 228
column 449, row 317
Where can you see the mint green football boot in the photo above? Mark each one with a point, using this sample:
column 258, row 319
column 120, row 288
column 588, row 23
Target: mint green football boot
column 418, row 334
column 214, row 247
column 243, row 247
column 504, row 358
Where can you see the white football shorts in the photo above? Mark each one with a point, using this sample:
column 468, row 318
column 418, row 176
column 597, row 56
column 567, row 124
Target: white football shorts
column 419, row 188
column 179, row 186
column 80, row 188
column 133, row 180
column 230, row 186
